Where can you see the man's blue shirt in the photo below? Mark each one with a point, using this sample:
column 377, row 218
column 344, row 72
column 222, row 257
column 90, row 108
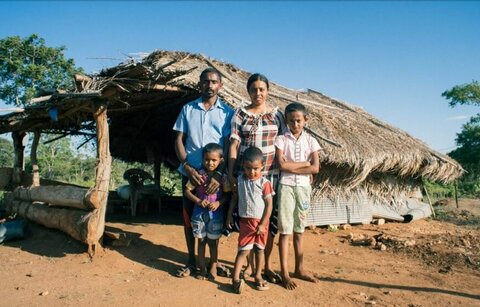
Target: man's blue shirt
column 202, row 127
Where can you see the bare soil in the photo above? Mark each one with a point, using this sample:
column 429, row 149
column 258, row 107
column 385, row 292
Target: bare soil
column 425, row 263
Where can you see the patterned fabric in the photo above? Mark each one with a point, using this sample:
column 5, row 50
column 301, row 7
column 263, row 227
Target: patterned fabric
column 296, row 150
column 259, row 130
column 252, row 195
column 293, row 208
column 201, row 193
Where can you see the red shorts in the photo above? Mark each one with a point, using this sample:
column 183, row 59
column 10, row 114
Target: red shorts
column 248, row 234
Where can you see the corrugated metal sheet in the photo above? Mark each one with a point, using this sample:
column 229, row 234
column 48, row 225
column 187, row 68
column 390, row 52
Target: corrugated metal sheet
column 325, row 211
column 361, row 209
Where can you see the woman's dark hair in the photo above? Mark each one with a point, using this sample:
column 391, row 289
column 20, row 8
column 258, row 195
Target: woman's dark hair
column 294, row 107
column 257, row 77
column 252, row 154
column 213, row 147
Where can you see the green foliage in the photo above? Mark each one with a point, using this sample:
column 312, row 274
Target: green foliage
column 463, row 94
column 6, row 153
column 57, row 161
column 27, row 66
column 468, row 140
column 438, row 191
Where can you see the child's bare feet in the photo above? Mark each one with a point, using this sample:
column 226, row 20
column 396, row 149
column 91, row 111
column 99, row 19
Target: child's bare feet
column 304, row 276
column 288, row 283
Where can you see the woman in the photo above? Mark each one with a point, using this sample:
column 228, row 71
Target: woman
column 257, row 124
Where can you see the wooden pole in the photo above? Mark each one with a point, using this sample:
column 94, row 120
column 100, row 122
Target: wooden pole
column 429, row 201
column 456, row 192
column 33, row 159
column 96, row 226
column 18, row 161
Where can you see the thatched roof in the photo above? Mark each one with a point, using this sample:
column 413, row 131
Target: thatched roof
column 145, row 98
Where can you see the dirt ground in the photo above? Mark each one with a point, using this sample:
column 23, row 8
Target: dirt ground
column 424, row 263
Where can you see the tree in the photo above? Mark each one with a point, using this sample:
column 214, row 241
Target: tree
column 468, row 140
column 28, row 66
column 6, row 153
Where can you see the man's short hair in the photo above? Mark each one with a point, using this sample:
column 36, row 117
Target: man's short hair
column 210, row 70
column 213, row 147
column 253, row 154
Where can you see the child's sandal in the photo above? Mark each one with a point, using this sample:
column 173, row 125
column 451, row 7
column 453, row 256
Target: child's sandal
column 238, row 286
column 262, row 285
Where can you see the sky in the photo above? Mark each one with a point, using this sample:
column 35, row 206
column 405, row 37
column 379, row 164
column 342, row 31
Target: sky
column 394, row 59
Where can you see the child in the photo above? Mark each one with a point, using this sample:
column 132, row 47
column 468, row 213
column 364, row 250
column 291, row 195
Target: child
column 297, row 155
column 208, row 217
column 254, row 195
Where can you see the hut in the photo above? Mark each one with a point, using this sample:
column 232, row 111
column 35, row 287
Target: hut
column 368, row 167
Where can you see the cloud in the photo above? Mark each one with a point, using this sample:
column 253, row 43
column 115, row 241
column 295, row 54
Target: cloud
column 458, row 117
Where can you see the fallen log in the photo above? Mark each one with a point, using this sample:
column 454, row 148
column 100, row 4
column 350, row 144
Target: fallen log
column 73, row 222
column 64, row 196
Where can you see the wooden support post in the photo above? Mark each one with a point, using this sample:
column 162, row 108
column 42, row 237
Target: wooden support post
column 33, row 159
column 456, row 192
column 96, row 226
column 19, row 161
column 157, row 173
column 429, row 201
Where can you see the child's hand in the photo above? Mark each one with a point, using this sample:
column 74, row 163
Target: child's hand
column 214, row 205
column 204, row 203
column 261, row 229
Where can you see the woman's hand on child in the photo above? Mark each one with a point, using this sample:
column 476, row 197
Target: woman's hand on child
column 213, row 186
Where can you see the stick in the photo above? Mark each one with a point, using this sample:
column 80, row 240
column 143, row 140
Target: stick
column 456, row 192
column 429, row 201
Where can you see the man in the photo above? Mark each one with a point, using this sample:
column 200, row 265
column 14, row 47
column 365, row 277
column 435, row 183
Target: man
column 202, row 121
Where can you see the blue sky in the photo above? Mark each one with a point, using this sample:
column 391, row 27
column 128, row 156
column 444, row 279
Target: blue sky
column 394, row 59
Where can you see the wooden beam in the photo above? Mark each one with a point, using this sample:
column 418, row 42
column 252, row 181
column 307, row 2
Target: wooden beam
column 33, row 159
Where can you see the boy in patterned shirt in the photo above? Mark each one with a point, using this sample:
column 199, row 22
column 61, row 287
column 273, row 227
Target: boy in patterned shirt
column 254, row 195
column 208, row 214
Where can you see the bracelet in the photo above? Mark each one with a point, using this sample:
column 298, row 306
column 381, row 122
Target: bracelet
column 184, row 163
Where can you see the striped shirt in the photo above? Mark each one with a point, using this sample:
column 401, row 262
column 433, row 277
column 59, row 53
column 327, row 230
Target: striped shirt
column 296, row 150
column 259, row 130
column 252, row 195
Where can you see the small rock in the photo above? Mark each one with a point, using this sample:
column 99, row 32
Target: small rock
column 387, row 292
column 410, row 243
column 379, row 222
column 312, row 227
column 44, row 293
column 370, row 303
column 29, row 275
column 333, row 228
column 383, row 247
column 345, row 227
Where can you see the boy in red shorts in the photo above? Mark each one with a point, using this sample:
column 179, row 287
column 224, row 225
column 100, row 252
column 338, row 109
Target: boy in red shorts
column 254, row 195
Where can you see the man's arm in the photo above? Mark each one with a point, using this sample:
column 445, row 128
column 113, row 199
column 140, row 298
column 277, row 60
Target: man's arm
column 182, row 157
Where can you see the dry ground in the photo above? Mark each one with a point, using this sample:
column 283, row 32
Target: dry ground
column 426, row 263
